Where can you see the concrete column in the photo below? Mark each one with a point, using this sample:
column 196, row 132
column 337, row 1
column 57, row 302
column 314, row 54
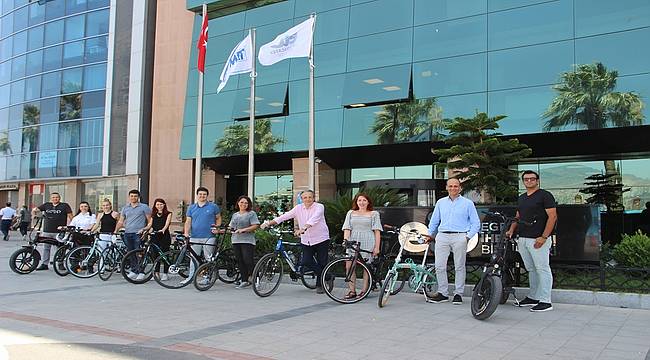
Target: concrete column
column 325, row 179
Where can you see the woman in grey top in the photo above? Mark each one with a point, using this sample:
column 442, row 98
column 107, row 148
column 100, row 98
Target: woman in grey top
column 362, row 224
column 243, row 224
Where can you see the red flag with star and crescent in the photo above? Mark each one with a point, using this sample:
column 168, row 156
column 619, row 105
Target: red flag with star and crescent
column 202, row 44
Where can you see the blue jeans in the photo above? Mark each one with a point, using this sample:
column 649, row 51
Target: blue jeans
column 536, row 262
column 318, row 252
column 132, row 241
column 6, row 226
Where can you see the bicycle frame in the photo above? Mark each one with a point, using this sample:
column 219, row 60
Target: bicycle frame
column 420, row 271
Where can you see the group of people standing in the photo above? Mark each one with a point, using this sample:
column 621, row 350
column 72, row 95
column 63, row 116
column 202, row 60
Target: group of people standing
column 454, row 221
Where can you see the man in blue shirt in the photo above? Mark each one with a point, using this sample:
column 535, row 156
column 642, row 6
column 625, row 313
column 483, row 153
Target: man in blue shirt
column 200, row 217
column 453, row 223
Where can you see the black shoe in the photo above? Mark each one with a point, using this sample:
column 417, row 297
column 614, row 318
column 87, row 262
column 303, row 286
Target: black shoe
column 542, row 306
column 42, row 267
column 526, row 302
column 457, row 300
column 438, row 298
column 319, row 290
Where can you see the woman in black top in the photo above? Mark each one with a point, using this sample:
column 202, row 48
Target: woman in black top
column 161, row 218
column 106, row 221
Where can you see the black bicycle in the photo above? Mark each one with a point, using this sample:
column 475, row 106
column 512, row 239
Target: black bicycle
column 26, row 259
column 221, row 265
column 499, row 274
column 137, row 265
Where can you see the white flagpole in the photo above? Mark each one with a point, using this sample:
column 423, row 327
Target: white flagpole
column 199, row 124
column 312, row 155
column 251, row 125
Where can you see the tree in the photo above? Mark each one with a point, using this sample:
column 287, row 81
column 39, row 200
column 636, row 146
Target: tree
column 603, row 191
column 5, row 145
column 235, row 139
column 586, row 98
column 480, row 159
column 405, row 121
column 31, row 116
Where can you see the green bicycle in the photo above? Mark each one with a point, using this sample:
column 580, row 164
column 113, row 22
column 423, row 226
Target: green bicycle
column 423, row 277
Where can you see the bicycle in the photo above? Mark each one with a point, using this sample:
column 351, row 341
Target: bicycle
column 112, row 256
column 141, row 261
column 350, row 268
column 85, row 261
column 62, row 252
column 499, row 274
column 26, row 259
column 423, row 277
column 269, row 269
column 221, row 265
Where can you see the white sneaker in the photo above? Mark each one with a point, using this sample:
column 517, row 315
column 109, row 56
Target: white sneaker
column 140, row 277
column 132, row 275
column 164, row 277
column 244, row 284
column 186, row 281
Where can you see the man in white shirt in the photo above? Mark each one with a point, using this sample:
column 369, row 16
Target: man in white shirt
column 8, row 214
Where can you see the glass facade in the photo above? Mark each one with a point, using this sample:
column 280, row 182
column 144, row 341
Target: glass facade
column 438, row 59
column 53, row 57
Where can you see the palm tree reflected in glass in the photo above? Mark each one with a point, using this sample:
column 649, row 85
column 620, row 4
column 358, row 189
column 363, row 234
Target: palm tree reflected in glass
column 417, row 120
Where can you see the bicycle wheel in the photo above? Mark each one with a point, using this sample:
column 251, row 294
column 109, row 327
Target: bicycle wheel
column 430, row 286
column 309, row 279
column 401, row 277
column 83, row 262
column 109, row 263
column 267, row 274
column 206, row 276
column 59, row 260
column 176, row 268
column 346, row 286
column 24, row 260
column 386, row 289
column 227, row 268
column 485, row 297
column 142, row 264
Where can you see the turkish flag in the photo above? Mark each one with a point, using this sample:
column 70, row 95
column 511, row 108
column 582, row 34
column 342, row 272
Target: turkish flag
column 202, row 44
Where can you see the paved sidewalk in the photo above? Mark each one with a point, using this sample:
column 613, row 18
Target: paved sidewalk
column 44, row 316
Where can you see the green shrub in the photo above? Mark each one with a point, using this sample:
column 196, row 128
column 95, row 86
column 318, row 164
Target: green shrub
column 633, row 250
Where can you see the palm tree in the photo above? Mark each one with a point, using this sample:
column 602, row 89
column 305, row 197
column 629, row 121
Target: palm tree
column 235, row 139
column 405, row 121
column 5, row 146
column 586, row 98
column 31, row 116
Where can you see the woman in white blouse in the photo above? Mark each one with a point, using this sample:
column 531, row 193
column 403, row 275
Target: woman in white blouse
column 84, row 220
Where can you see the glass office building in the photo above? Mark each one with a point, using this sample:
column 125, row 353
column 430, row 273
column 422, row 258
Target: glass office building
column 61, row 66
column 388, row 72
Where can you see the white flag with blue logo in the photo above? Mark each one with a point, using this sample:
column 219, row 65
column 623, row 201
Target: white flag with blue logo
column 293, row 43
column 240, row 61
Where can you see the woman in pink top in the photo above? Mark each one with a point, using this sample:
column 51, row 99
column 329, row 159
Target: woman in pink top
column 313, row 232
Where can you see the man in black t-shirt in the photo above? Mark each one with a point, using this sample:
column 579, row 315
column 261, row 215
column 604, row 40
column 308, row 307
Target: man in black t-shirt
column 537, row 210
column 55, row 214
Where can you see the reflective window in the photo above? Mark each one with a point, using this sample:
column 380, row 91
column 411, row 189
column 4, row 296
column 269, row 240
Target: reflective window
column 33, row 87
column 640, row 84
column 318, row 6
column 428, row 11
column 70, row 107
column 296, row 134
column 269, row 14
column 74, row 27
column 269, row 100
column 17, row 91
column 96, row 49
column 18, row 67
column 331, row 26
column 15, row 116
column 328, row 126
column 75, row 6
column 531, row 25
column 524, row 108
column 358, row 124
column 623, row 53
column 21, row 19
column 279, row 72
column 54, row 9
column 236, row 143
column 73, row 53
column 34, row 63
column 48, row 137
column 92, row 132
column 28, row 166
column 5, row 72
column 331, row 60
column 13, row 167
column 30, row 138
column 35, row 38
column 90, row 161
column 95, row 77
column 450, row 38
column 372, row 51
column 217, row 107
column 97, row 23
column 66, row 164
column 52, row 58
column 71, row 80
column 463, row 74
column 7, row 25
column 51, row 84
column 3, row 168
column 376, row 173
column 20, row 43
column 53, row 32
column 462, row 105
column 69, row 133
column 15, row 140
column 329, row 90
column 189, row 115
column 36, row 13
column 46, row 164
column 4, row 120
column 220, row 48
column 6, row 48
column 548, row 60
column 380, row 16
column 50, row 110
column 603, row 16
column 221, row 25
column 496, row 5
column 4, row 95
column 636, row 172
column 93, row 104
column 96, row 4
column 188, row 142
column 377, row 85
